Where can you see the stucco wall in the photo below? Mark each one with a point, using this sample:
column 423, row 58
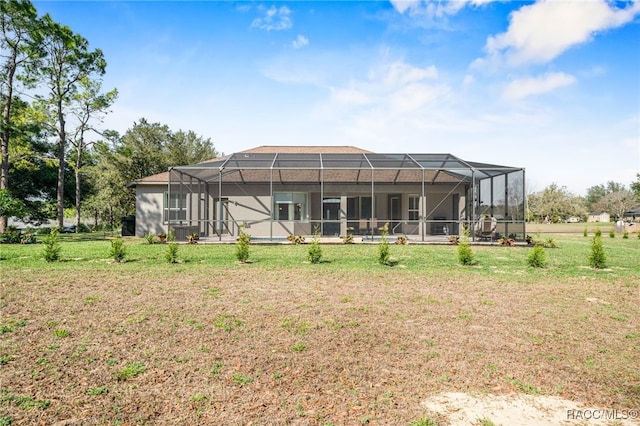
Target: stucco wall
column 149, row 200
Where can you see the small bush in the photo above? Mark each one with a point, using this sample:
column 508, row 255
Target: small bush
column 402, row 240
column 625, row 235
column 150, row 238
column 550, row 242
column 171, row 255
column 296, row 239
column 347, row 239
column 193, row 238
column 612, row 233
column 597, row 259
column 597, row 232
column 118, row 251
column 14, row 236
column 52, row 246
column 242, row 246
column 506, row 241
column 383, row 248
column 315, row 251
column 585, row 232
column 537, row 257
column 465, row 254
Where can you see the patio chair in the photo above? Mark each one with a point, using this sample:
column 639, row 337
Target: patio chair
column 487, row 228
column 362, row 226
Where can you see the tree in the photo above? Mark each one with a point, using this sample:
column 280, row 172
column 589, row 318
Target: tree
column 617, row 203
column 89, row 107
column 596, row 193
column 19, row 41
column 635, row 187
column 9, row 206
column 555, row 204
column 188, row 148
column 67, row 62
column 32, row 169
column 145, row 149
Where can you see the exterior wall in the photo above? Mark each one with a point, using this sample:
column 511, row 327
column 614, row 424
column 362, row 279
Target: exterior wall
column 249, row 205
column 598, row 217
column 149, row 206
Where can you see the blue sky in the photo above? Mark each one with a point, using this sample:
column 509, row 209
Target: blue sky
column 552, row 86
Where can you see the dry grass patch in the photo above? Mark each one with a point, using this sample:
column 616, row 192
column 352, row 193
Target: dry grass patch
column 316, row 346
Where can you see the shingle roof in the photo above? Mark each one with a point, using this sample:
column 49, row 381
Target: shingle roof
column 266, row 149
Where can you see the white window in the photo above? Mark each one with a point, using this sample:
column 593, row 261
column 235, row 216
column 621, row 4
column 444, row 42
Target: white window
column 414, row 207
column 175, row 209
column 290, row 206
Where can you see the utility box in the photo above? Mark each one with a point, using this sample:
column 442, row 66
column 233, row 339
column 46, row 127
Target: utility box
column 129, row 226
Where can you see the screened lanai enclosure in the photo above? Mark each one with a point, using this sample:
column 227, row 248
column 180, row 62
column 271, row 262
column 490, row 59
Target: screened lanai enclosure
column 425, row 197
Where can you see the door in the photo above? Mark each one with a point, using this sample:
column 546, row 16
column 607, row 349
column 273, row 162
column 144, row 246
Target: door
column 395, row 213
column 331, row 216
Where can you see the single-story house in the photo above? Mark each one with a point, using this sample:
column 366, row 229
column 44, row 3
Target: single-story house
column 599, row 217
column 633, row 214
column 277, row 191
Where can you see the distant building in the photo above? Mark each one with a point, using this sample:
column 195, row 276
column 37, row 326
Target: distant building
column 599, row 217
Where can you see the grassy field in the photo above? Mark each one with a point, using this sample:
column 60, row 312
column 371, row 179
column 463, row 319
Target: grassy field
column 281, row 341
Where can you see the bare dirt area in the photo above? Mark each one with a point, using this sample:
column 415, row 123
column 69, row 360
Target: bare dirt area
column 271, row 347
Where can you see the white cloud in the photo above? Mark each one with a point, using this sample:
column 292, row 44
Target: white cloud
column 523, row 87
column 300, row 42
column 540, row 32
column 434, row 9
column 276, row 19
column 395, row 86
column 468, row 80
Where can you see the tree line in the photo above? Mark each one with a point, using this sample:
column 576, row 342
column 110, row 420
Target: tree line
column 557, row 204
column 55, row 153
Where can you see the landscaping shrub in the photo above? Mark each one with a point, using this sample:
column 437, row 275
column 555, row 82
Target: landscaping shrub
column 242, row 246
column 612, row 233
column 171, row 255
column 598, row 232
column 597, row 259
column 14, row 236
column 118, row 251
column 465, row 254
column 150, row 238
column 585, row 232
column 383, row 248
column 52, row 247
column 625, row 235
column 537, row 257
column 296, row 239
column 347, row 239
column 315, row 251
